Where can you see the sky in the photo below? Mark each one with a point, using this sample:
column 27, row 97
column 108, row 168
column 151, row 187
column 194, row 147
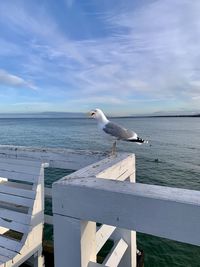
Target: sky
column 126, row 57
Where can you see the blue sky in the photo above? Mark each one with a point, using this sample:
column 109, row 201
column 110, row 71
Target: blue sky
column 124, row 56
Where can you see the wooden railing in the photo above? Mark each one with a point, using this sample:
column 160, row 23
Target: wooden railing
column 79, row 233
column 84, row 198
column 105, row 192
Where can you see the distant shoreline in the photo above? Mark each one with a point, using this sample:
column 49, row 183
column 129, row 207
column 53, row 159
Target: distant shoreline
column 42, row 116
column 159, row 116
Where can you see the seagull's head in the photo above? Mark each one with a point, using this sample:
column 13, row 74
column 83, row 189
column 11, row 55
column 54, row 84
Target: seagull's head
column 98, row 114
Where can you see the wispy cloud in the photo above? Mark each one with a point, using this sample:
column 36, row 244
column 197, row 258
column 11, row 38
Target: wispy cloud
column 14, row 81
column 147, row 52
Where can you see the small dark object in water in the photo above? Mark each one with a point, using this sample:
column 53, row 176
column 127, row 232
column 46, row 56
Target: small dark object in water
column 156, row 160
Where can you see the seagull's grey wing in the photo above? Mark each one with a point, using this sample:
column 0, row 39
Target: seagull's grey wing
column 118, row 131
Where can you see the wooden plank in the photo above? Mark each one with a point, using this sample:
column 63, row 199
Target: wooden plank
column 19, row 167
column 8, row 166
column 102, row 235
column 74, row 242
column 10, row 244
column 18, row 176
column 57, row 157
column 15, row 216
column 123, row 168
column 16, row 191
column 16, row 184
column 130, row 257
column 7, row 252
column 116, row 254
column 157, row 210
column 18, row 161
column 21, row 201
column 107, row 168
column 16, row 226
column 3, row 258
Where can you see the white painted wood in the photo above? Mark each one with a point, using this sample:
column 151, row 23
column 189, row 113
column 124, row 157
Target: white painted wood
column 4, row 258
column 10, row 244
column 102, row 235
column 7, row 188
column 21, row 201
column 130, row 257
column 88, row 242
column 18, row 162
column 162, row 211
column 19, row 227
column 15, row 216
column 116, row 254
column 74, row 242
column 22, row 210
column 18, row 176
column 7, row 252
column 115, row 166
column 22, row 166
column 121, row 171
column 120, row 168
column 38, row 260
column 3, row 230
column 19, row 185
column 56, row 157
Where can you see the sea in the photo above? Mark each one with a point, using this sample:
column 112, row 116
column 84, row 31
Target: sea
column 172, row 158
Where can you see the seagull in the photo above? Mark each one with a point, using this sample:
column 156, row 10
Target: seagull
column 114, row 130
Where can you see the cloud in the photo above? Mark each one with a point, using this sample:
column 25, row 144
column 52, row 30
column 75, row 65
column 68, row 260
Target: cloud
column 14, row 81
column 148, row 52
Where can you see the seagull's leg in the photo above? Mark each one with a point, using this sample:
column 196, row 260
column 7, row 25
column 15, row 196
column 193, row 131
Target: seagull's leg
column 114, row 148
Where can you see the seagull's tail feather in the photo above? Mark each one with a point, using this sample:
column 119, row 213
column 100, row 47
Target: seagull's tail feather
column 138, row 141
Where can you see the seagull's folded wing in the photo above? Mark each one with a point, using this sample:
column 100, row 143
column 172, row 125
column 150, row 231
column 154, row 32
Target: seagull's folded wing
column 119, row 132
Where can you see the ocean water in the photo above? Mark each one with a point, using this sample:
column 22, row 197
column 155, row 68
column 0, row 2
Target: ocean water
column 171, row 159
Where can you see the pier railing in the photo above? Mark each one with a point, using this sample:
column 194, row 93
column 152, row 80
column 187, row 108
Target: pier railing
column 75, row 228
column 105, row 192
column 97, row 194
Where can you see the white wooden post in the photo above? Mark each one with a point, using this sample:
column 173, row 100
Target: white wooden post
column 74, row 242
column 38, row 259
column 130, row 258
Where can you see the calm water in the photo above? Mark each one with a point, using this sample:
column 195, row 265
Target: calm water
column 174, row 142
